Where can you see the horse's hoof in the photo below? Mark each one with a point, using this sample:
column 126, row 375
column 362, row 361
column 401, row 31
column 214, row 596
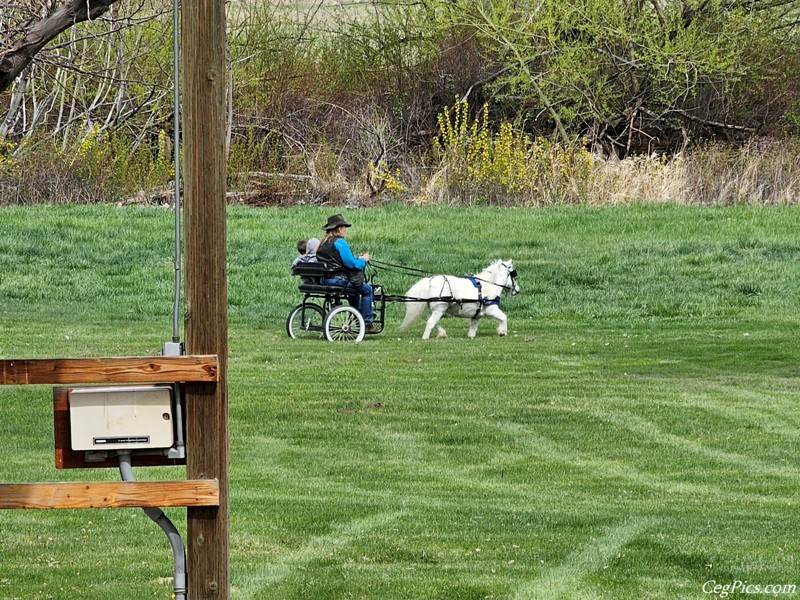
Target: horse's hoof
column 502, row 333
column 442, row 334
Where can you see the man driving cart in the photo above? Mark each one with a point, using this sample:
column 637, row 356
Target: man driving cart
column 348, row 270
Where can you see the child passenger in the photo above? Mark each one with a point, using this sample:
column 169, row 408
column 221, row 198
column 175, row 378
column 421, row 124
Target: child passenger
column 308, row 253
column 302, row 248
column 307, row 250
column 311, row 250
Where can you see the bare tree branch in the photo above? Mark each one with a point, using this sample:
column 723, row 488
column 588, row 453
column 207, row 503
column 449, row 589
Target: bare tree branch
column 15, row 60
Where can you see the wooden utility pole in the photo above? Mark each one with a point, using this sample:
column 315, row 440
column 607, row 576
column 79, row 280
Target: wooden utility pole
column 205, row 492
column 206, row 310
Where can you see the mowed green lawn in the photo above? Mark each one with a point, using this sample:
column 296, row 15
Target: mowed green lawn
column 635, row 436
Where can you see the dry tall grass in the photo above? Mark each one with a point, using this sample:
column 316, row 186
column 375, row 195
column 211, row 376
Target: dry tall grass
column 764, row 172
column 761, row 172
column 482, row 163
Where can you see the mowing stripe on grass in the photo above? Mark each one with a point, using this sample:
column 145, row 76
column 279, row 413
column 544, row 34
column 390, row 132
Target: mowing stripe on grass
column 772, row 411
column 651, row 430
column 316, row 548
column 544, row 454
column 546, row 449
column 562, row 581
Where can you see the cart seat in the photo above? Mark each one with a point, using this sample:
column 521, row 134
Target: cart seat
column 318, row 288
column 310, row 274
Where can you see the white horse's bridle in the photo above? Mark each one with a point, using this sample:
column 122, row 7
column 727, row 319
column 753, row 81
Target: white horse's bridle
column 512, row 274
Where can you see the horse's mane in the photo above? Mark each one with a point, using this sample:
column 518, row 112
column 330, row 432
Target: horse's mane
column 488, row 273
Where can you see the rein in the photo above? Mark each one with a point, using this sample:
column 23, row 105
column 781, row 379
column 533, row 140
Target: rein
column 402, row 269
column 385, row 266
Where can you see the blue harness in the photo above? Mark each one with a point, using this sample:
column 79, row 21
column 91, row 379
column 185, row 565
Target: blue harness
column 482, row 302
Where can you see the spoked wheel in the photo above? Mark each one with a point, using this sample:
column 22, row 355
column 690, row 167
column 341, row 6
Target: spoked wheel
column 344, row 324
column 305, row 321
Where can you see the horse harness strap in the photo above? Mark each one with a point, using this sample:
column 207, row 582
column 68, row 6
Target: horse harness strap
column 482, row 302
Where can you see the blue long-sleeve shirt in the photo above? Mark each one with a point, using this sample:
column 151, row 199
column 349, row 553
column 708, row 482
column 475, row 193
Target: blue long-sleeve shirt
column 349, row 261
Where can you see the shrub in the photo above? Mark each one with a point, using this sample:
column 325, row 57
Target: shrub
column 504, row 166
column 99, row 167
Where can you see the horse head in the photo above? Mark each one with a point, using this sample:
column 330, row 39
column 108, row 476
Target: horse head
column 508, row 276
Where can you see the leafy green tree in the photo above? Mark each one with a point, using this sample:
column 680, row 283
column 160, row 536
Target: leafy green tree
column 636, row 75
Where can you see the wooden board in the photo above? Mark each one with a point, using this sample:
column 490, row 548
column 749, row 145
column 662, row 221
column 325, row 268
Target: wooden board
column 151, row 369
column 110, row 494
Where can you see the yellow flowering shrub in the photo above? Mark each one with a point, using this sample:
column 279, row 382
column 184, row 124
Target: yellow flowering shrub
column 389, row 179
column 505, row 165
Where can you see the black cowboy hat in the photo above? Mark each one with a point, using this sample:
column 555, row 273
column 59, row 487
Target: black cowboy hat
column 335, row 221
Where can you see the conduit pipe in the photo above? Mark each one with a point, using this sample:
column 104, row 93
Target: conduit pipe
column 163, row 521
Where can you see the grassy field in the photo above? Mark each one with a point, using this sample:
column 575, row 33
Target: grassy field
column 635, row 436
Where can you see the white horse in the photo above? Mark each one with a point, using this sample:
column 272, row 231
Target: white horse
column 471, row 297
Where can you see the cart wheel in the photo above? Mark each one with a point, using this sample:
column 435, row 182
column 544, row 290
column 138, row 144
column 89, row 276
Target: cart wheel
column 344, row 324
column 305, row 321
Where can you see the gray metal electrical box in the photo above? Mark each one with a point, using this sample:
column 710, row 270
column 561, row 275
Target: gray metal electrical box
column 121, row 417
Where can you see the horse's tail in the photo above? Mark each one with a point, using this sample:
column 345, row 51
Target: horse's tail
column 414, row 309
